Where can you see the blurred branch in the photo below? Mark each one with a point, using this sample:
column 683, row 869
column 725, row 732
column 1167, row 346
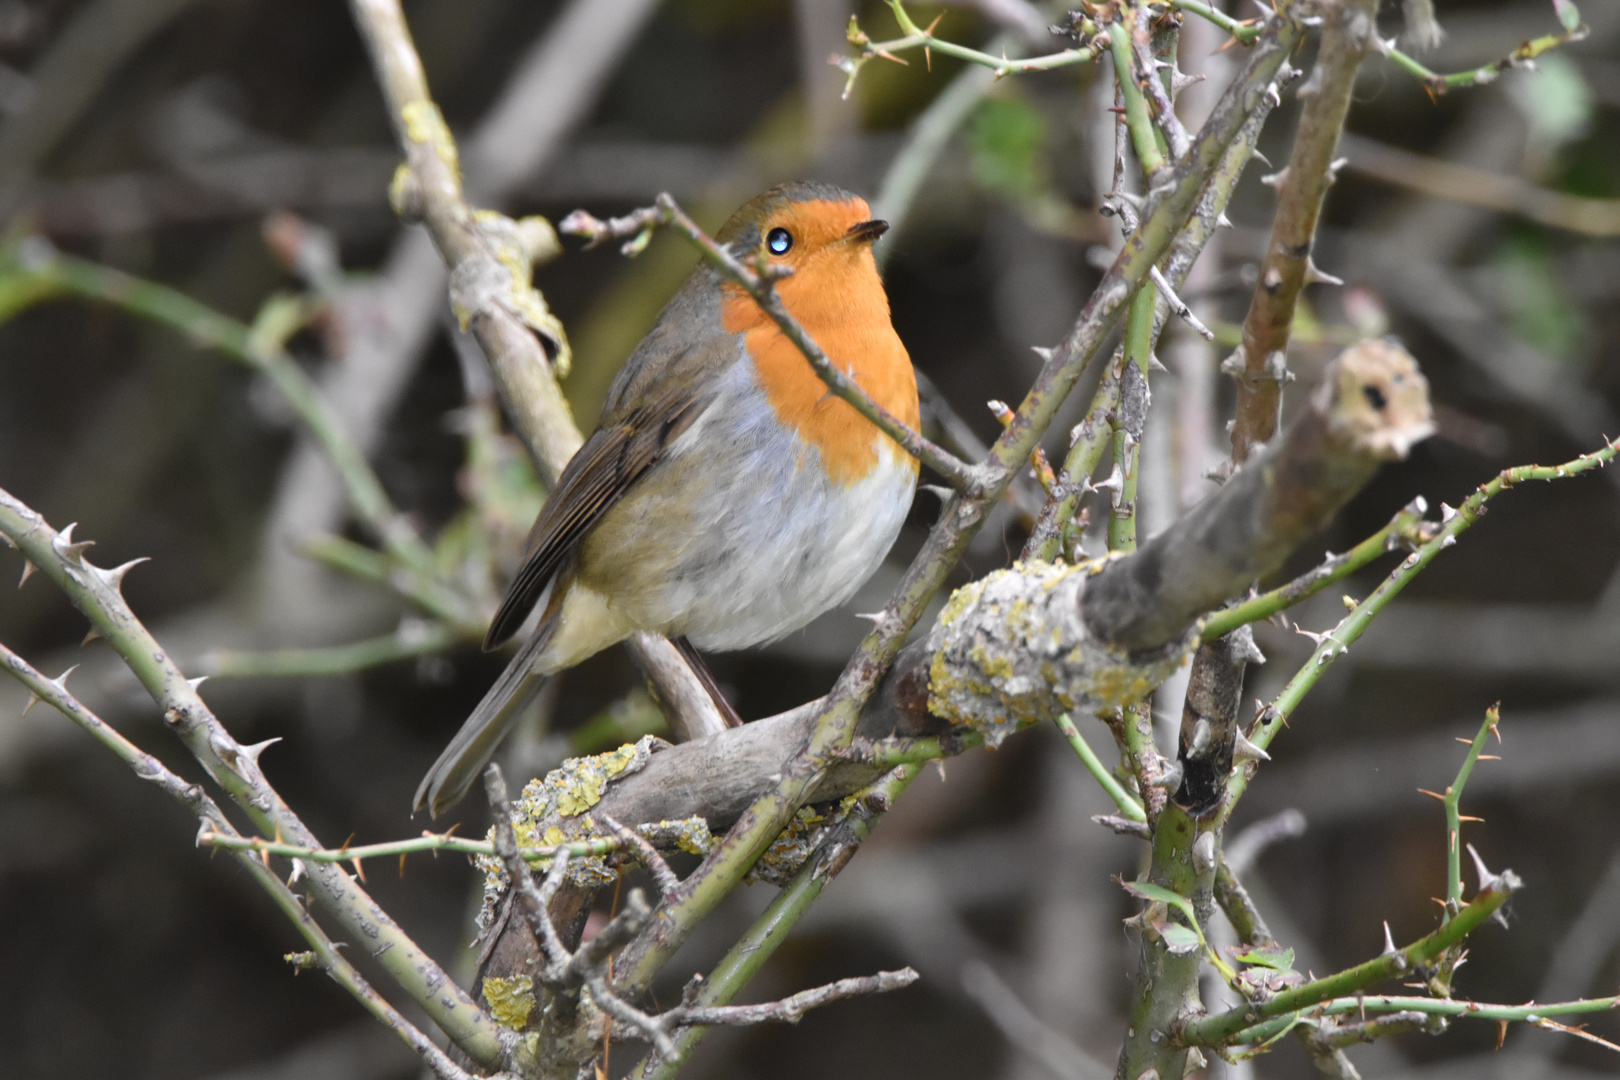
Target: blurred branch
column 96, row 592
column 1477, row 187
column 99, row 39
column 414, row 637
column 33, row 270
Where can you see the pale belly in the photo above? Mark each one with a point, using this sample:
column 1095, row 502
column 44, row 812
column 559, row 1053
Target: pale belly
column 737, row 543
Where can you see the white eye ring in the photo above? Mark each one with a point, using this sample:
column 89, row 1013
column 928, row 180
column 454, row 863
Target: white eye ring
column 779, row 241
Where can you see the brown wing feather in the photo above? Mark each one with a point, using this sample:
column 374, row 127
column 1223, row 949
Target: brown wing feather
column 595, row 479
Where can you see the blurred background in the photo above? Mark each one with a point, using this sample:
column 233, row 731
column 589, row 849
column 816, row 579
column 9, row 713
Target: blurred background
column 185, row 141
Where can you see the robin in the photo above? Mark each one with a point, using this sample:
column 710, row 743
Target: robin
column 727, row 496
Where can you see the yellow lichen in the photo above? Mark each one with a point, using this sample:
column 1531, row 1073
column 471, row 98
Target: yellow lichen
column 511, row 1000
column 424, row 124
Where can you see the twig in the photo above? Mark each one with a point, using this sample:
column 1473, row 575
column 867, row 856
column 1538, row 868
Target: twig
column 917, row 37
column 791, row 1008
column 1452, row 800
column 759, row 283
column 215, row 825
column 428, row 841
column 1436, row 84
column 1533, row 1013
column 1406, row 529
column 647, row 855
column 1127, row 803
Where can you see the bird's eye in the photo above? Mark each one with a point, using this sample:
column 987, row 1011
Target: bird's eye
column 779, row 241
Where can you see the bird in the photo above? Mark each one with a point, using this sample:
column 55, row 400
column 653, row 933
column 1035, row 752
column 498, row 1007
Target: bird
column 727, row 496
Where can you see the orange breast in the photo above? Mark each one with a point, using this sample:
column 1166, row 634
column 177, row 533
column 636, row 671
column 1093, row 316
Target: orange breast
column 838, row 297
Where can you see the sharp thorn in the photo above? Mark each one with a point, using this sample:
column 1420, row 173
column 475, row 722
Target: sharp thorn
column 90, row 636
column 1244, row 750
column 29, row 570
column 67, row 548
column 252, row 752
column 115, row 577
column 1043, row 352
column 198, row 681
column 33, row 699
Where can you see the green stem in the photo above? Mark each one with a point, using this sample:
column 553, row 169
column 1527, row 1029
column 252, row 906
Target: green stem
column 1138, row 119
column 1123, row 799
column 415, row 639
column 1388, row 1003
column 1220, row 1029
column 1453, row 800
column 1139, row 334
column 1405, row 527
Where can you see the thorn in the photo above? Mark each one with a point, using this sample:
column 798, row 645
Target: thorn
column 1446, row 513
column 29, row 570
column 940, row 490
column 1315, row 275
column 1155, row 364
column 1432, row 794
column 1258, row 156
column 1222, row 221
column 252, row 752
column 1334, row 166
column 870, row 616
column 60, row 682
column 115, row 577
column 1043, row 352
column 1244, row 750
column 1389, row 941
column 198, row 681
column 90, row 636
column 1275, row 180
column 298, row 871
column 66, row 547
column 33, row 699
column 1487, row 880
column 1115, row 482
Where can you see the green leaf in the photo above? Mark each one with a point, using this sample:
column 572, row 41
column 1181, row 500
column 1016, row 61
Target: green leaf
column 1146, row 890
column 1277, row 959
column 1180, row 940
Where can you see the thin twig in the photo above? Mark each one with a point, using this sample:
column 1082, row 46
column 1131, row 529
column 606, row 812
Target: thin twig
column 759, row 282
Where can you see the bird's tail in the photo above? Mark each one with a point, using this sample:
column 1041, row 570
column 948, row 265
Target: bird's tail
column 464, row 759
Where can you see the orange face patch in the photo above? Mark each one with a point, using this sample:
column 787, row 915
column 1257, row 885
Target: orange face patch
column 837, row 296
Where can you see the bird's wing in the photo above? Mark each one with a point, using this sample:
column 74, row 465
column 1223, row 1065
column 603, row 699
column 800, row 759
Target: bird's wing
column 595, row 479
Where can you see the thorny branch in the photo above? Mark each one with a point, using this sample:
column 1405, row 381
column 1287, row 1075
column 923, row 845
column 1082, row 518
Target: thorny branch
column 96, row 593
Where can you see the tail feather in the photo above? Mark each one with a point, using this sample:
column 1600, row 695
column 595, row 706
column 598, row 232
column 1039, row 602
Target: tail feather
column 463, row 760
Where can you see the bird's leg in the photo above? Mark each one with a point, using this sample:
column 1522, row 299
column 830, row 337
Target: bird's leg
column 694, row 659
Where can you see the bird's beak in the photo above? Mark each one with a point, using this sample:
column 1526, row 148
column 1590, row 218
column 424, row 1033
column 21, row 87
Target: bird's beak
column 867, row 231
